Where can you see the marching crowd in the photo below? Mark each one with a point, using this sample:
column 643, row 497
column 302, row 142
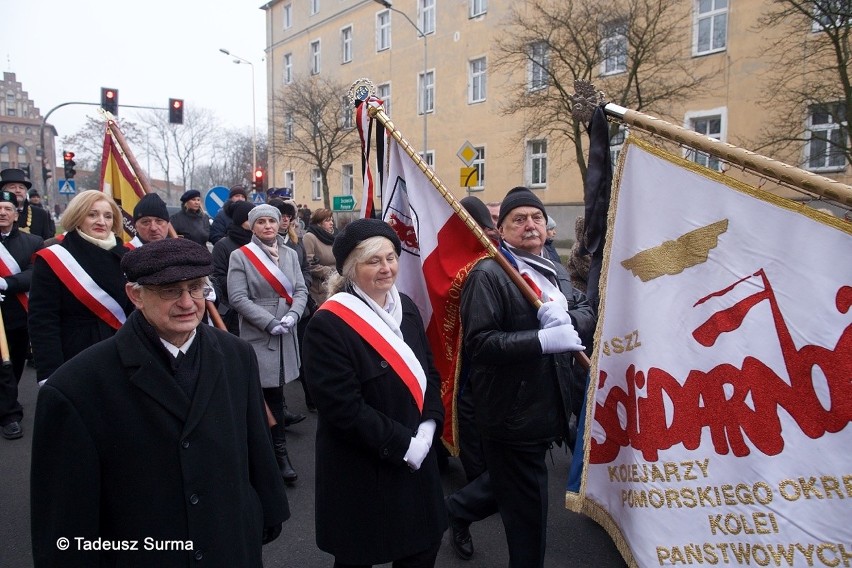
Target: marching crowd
column 161, row 414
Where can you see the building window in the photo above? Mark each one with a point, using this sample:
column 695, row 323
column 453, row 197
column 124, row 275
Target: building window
column 316, row 184
column 314, row 7
column 426, row 13
column 616, row 143
column 346, row 44
column 429, row 158
column 478, row 7
column 288, row 128
column 476, row 81
column 287, row 16
column 347, row 174
column 538, row 66
column 425, row 92
column 834, row 14
column 383, row 30
column 315, row 57
column 828, row 137
column 287, row 73
column 383, row 91
column 537, row 162
column 614, row 48
column 10, row 104
column 347, row 114
column 479, row 164
column 710, row 124
column 710, row 30
column 290, row 181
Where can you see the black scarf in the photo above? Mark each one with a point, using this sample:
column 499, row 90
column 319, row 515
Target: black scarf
column 324, row 236
column 239, row 235
column 184, row 370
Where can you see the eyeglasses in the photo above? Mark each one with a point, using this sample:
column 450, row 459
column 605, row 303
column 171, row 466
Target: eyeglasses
column 198, row 292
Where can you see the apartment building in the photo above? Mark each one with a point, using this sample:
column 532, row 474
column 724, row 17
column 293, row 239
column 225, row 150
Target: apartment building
column 446, row 87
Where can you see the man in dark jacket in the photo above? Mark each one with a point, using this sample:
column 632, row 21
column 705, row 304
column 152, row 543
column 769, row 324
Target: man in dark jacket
column 34, row 220
column 16, row 270
column 521, row 371
column 222, row 220
column 151, row 448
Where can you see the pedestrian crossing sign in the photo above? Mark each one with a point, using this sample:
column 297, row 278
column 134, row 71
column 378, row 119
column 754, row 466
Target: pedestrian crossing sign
column 67, row 186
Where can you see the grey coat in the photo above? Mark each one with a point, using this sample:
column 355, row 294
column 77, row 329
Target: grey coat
column 261, row 308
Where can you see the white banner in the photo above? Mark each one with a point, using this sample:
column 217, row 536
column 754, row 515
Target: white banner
column 719, row 432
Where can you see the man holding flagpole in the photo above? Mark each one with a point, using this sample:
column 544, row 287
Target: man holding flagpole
column 521, row 372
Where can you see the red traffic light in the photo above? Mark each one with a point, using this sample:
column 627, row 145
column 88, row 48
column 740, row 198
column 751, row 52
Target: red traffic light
column 177, row 103
column 109, row 93
column 109, row 100
column 258, row 174
column 68, row 156
column 176, row 111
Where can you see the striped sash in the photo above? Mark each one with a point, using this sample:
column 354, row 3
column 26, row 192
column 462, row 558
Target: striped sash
column 9, row 267
column 269, row 270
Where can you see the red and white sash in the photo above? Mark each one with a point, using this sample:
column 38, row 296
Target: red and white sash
column 269, row 270
column 9, row 267
column 366, row 323
column 81, row 285
column 134, row 243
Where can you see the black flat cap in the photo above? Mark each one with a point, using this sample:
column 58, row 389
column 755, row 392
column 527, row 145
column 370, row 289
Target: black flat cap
column 167, row 261
column 187, row 195
column 478, row 211
column 358, row 231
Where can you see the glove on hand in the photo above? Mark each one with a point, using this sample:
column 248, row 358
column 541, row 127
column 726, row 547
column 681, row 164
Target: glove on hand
column 278, row 330
column 417, row 451
column 426, row 432
column 559, row 339
column 270, row 533
column 551, row 314
column 288, row 322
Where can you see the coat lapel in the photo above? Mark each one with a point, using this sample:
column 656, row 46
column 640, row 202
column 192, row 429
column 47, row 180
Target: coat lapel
column 212, row 370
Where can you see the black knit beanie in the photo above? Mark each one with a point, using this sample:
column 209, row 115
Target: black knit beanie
column 519, row 197
column 240, row 211
column 151, row 205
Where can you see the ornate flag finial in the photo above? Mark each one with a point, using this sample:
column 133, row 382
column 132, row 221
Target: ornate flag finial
column 585, row 100
column 360, row 91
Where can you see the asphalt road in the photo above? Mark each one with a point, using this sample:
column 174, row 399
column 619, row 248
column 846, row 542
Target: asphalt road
column 572, row 540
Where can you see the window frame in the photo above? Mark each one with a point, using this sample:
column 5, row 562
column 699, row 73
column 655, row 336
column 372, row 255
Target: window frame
column 537, row 78
column 427, row 15
column 287, row 69
column 290, row 176
column 834, row 126
column 315, row 51
column 614, row 34
column 347, row 179
column 478, row 162
column 346, row 44
column 482, row 6
column 477, row 77
column 386, row 98
column 316, row 184
column 315, row 7
column 537, row 162
column 383, row 30
column 425, row 92
column 287, row 16
column 690, row 119
column 698, row 17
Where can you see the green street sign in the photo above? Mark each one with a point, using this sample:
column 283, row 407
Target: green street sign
column 343, row 203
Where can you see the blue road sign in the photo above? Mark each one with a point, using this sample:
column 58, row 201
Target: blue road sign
column 258, row 198
column 215, row 199
column 67, row 186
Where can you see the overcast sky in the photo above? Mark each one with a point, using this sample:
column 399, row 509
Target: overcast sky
column 66, row 50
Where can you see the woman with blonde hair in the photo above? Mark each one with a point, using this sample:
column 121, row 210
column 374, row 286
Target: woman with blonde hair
column 77, row 295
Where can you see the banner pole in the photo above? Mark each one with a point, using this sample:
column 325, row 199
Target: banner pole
column 378, row 112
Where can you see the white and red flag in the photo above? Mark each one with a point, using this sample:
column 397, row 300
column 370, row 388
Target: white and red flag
column 438, row 251
column 718, row 418
column 119, row 182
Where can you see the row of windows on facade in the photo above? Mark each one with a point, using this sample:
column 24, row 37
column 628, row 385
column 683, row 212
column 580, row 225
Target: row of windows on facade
column 16, row 129
column 11, row 106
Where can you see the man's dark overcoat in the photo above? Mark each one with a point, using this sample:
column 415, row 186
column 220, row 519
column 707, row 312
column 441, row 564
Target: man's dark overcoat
column 36, row 221
column 120, row 453
column 370, row 508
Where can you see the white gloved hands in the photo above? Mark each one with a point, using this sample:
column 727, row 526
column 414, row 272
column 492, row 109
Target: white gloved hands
column 426, row 431
column 560, row 339
column 288, row 322
column 278, row 330
column 3, row 284
column 551, row 314
column 417, row 452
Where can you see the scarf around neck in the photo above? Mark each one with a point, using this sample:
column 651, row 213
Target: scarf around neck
column 393, row 319
column 324, row 236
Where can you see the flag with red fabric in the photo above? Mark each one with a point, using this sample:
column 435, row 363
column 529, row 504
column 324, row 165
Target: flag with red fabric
column 119, row 182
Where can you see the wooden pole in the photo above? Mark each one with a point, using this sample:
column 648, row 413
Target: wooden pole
column 378, row 113
column 4, row 345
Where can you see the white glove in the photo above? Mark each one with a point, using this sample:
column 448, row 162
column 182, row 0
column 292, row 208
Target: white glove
column 211, row 295
column 426, row 431
column 551, row 314
column 559, row 339
column 278, row 330
column 417, row 451
column 287, row 322
column 3, row 284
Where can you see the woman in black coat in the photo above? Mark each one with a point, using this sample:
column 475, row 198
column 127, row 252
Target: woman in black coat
column 77, row 295
column 370, row 371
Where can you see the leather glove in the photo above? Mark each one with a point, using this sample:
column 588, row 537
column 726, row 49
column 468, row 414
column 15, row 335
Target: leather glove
column 278, row 330
column 288, row 322
column 417, row 451
column 551, row 314
column 560, row 339
column 271, row 533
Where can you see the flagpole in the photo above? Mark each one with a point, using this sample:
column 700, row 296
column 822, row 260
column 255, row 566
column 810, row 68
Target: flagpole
column 378, row 112
column 585, row 100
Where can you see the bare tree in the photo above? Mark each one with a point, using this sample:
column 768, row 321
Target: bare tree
column 809, row 83
column 636, row 51
column 314, row 127
column 180, row 148
column 88, row 145
column 231, row 163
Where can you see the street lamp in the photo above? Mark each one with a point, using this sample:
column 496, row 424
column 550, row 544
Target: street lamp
column 238, row 60
column 387, row 4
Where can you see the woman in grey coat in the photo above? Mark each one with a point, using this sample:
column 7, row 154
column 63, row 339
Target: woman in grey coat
column 267, row 289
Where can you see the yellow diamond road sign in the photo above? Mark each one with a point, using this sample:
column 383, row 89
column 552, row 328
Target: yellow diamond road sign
column 467, row 153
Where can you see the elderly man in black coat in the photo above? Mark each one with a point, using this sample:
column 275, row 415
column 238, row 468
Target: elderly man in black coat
column 151, row 448
column 31, row 219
